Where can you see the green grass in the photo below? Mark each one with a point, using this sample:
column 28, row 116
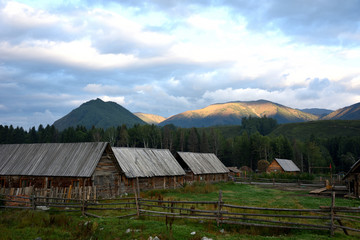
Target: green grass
column 23, row 224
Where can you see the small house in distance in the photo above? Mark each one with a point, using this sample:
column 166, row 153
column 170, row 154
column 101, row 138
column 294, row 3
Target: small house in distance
column 234, row 171
column 202, row 167
column 352, row 179
column 282, row 165
column 145, row 169
column 46, row 165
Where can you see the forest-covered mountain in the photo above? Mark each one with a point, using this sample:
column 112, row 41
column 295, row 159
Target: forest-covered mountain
column 321, row 129
column 347, row 113
column 231, row 113
column 99, row 114
column 150, row 118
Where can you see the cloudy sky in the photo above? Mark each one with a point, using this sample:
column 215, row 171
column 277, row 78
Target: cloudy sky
column 167, row 56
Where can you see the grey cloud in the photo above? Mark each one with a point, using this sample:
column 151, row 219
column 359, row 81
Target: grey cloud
column 319, row 84
column 309, row 21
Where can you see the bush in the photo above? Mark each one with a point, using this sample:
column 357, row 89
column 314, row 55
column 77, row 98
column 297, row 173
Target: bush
column 262, row 165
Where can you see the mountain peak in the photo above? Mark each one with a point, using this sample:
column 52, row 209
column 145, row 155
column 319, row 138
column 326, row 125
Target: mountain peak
column 99, row 114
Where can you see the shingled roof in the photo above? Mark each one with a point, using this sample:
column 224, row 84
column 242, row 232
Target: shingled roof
column 145, row 162
column 50, row 159
column 287, row 165
column 203, row 163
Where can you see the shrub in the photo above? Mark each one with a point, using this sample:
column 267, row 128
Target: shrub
column 262, row 165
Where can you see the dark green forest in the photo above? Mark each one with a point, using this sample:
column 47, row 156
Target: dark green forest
column 237, row 146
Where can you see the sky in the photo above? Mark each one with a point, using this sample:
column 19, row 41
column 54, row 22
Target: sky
column 166, row 56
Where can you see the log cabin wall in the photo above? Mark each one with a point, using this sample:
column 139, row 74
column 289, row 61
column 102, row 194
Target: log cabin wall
column 43, row 182
column 150, row 183
column 107, row 176
column 274, row 167
column 353, row 181
column 209, row 178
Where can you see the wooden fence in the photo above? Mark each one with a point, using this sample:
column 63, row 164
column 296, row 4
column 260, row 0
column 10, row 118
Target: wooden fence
column 326, row 218
column 252, row 179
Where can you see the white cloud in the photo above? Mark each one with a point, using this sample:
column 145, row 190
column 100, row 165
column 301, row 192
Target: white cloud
column 3, row 107
column 119, row 100
column 23, row 15
column 76, row 53
column 46, row 117
column 173, row 82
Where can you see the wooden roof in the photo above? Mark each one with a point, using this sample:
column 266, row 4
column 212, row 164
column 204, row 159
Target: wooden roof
column 287, row 165
column 234, row 169
column 203, row 163
column 355, row 169
column 145, row 162
column 51, row 159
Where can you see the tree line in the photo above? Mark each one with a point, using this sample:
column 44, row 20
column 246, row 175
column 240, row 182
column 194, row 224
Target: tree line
column 250, row 144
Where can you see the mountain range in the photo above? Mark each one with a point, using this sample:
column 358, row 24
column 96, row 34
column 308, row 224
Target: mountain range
column 231, row 113
column 107, row 114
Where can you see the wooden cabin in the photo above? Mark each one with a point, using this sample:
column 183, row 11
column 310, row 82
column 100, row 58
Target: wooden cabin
column 146, row 169
column 46, row 165
column 352, row 179
column 234, row 171
column 202, row 167
column 282, row 165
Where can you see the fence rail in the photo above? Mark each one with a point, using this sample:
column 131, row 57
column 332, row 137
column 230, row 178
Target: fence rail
column 317, row 182
column 324, row 218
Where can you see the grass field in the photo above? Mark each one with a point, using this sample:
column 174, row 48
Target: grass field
column 21, row 224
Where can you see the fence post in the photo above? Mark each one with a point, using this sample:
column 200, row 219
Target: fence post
column 137, row 186
column 136, row 201
column 332, row 214
column 33, row 202
column 218, row 219
column 83, row 207
column 83, row 202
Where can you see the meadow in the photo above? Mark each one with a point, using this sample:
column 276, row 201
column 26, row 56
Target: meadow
column 52, row 224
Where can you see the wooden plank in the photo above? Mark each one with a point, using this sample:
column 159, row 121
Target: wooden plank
column 318, row 191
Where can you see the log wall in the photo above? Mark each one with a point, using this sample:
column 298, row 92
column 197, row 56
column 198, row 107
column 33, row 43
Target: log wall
column 210, row 178
column 274, row 167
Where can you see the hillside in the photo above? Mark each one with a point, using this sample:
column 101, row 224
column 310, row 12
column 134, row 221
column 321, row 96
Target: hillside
column 150, row 118
column 347, row 113
column 99, row 114
column 231, row 113
column 317, row 111
column 321, row 129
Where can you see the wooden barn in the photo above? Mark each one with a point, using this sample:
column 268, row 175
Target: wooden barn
column 146, row 169
column 282, row 165
column 352, row 179
column 49, row 165
column 202, row 167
